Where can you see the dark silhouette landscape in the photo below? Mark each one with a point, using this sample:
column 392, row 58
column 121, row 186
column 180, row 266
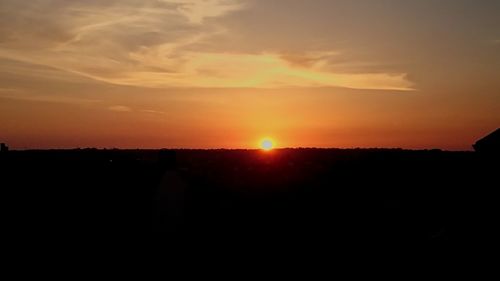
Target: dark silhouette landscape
column 305, row 195
column 258, row 131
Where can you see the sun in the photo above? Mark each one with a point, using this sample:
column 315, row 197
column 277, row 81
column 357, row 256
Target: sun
column 266, row 144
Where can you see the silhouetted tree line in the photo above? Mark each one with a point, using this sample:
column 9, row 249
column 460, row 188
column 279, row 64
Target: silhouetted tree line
column 301, row 195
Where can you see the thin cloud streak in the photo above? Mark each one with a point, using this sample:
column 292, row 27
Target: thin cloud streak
column 120, row 108
column 153, row 111
column 47, row 98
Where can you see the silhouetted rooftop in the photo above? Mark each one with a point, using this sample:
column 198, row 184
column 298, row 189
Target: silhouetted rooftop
column 489, row 144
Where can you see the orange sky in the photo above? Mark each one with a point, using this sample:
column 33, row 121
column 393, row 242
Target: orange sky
column 226, row 73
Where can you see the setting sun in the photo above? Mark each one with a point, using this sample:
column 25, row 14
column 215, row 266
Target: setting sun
column 266, row 144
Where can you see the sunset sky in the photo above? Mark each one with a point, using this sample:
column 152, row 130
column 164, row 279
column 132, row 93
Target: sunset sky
column 227, row 73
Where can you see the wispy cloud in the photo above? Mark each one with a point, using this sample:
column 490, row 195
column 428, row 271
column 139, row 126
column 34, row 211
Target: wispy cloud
column 10, row 90
column 161, row 43
column 153, row 111
column 120, row 108
column 196, row 11
column 15, row 95
column 265, row 70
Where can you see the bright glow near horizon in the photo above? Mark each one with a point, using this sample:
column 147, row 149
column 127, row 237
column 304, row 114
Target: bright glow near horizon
column 267, row 144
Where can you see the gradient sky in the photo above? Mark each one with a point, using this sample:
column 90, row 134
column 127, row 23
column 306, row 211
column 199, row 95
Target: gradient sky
column 225, row 73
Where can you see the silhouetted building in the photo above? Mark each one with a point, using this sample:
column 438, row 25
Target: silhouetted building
column 4, row 148
column 489, row 144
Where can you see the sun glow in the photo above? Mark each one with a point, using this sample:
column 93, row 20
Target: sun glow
column 266, row 144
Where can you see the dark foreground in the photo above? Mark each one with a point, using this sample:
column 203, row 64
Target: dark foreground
column 305, row 196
